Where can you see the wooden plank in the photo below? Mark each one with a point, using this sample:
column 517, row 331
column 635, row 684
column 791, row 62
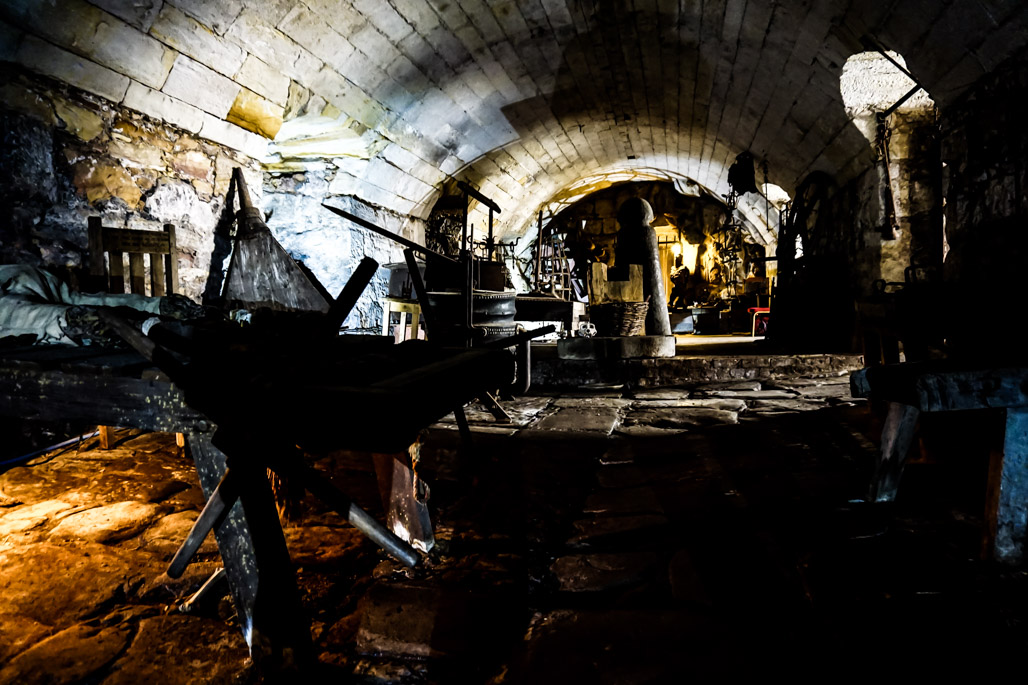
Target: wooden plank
column 47, row 356
column 172, row 260
column 91, row 398
column 253, row 550
column 116, row 271
column 262, row 274
column 131, row 240
column 897, row 436
column 96, row 248
column 137, row 280
column 1007, row 513
column 157, row 277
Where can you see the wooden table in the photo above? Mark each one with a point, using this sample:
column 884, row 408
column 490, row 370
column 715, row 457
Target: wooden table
column 910, row 389
column 414, row 385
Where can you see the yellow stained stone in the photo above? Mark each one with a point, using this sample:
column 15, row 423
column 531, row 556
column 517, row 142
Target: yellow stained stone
column 254, row 113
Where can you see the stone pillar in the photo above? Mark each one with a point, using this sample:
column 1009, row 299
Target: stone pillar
column 637, row 244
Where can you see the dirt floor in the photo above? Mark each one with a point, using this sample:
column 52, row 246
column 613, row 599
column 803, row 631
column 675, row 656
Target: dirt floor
column 603, row 536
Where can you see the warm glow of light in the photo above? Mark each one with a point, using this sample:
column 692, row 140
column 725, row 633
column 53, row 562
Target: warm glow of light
column 689, row 254
column 676, row 248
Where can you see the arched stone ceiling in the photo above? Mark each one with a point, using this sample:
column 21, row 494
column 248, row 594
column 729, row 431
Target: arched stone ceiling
column 525, row 98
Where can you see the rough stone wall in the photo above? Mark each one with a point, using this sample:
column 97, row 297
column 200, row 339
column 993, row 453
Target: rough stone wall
column 67, row 155
column 330, row 246
column 850, row 229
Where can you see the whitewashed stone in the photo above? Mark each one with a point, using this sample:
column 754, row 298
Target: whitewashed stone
column 137, row 13
column 201, row 87
column 192, row 38
column 178, row 203
column 218, row 16
column 234, row 137
column 164, row 107
column 50, row 60
column 262, row 79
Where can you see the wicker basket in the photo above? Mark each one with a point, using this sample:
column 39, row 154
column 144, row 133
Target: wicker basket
column 619, row 318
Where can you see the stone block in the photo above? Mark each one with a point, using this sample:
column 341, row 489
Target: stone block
column 201, row 87
column 83, row 123
column 254, row 35
column 414, row 620
column 310, row 30
column 599, row 420
column 600, row 572
column 260, row 78
column 164, row 107
column 351, row 100
column 128, row 51
column 217, row 16
column 385, row 18
column 254, row 113
column 193, row 164
column 139, row 155
column 139, row 14
column 192, row 38
column 234, row 137
column 50, row 60
column 104, row 181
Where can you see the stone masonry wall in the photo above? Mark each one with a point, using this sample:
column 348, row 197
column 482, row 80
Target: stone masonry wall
column 330, row 246
column 67, row 155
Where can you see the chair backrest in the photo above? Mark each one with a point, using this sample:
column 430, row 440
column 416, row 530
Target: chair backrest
column 116, row 242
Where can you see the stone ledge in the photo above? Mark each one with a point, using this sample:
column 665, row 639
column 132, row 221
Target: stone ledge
column 624, row 347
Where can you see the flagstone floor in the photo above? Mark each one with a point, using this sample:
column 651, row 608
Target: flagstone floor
column 604, row 536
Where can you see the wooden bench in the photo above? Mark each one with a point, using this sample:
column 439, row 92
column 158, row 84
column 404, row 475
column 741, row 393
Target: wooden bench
column 948, row 386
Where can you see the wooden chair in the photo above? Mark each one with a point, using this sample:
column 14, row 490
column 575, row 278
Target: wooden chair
column 109, row 274
column 115, row 242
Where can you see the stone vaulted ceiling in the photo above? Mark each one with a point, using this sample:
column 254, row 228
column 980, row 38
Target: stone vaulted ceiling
column 523, row 99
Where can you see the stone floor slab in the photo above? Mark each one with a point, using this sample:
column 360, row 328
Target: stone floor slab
column 724, row 404
column 601, row 572
column 640, row 500
column 70, row 656
column 600, row 529
column 107, row 523
column 580, row 420
column 77, row 579
column 679, row 418
column 175, row 648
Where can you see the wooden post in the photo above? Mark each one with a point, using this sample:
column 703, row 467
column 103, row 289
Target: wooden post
column 172, row 271
column 897, row 435
column 256, row 560
column 1006, row 504
column 137, row 283
column 97, row 271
